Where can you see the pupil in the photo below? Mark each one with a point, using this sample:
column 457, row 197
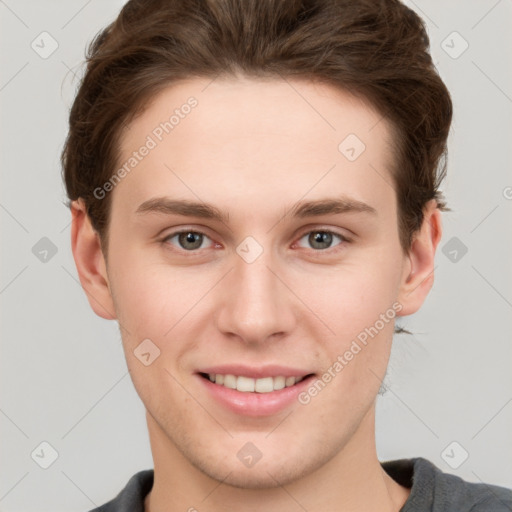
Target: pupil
column 322, row 237
column 190, row 238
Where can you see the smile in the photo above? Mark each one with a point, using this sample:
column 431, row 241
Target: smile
column 250, row 385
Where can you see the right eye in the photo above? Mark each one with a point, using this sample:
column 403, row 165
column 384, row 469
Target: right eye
column 187, row 240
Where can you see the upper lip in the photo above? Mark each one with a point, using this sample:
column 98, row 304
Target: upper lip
column 255, row 372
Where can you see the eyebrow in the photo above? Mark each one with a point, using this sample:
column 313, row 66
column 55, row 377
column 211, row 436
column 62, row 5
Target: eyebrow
column 302, row 209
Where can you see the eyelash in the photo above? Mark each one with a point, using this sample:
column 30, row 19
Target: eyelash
column 329, row 250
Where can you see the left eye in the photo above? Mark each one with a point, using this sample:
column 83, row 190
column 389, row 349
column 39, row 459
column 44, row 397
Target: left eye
column 322, row 239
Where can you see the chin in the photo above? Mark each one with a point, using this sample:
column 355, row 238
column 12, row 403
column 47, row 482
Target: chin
column 270, row 472
column 264, row 477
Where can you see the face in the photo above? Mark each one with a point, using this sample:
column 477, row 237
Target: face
column 288, row 264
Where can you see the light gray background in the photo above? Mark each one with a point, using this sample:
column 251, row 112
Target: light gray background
column 63, row 374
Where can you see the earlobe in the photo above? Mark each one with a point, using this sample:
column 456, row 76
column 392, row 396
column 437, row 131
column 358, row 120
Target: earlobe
column 90, row 262
column 418, row 275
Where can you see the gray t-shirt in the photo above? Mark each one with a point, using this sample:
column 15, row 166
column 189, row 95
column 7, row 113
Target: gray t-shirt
column 431, row 490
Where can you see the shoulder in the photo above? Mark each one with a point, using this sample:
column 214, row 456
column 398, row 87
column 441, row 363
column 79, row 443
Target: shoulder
column 436, row 491
column 131, row 497
column 458, row 494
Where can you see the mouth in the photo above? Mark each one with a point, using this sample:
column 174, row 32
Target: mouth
column 254, row 391
column 246, row 384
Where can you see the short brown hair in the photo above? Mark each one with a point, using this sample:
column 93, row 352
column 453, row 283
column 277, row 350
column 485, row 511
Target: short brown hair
column 375, row 49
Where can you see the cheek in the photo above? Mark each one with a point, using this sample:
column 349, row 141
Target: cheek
column 150, row 301
column 356, row 302
column 140, row 301
column 352, row 297
column 150, row 295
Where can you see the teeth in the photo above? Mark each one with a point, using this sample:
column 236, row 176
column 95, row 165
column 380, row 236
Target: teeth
column 249, row 385
column 290, row 381
column 245, row 384
column 229, row 381
column 279, row 383
column 265, row 385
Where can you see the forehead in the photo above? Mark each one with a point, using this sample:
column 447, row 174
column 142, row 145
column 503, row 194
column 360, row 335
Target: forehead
column 242, row 136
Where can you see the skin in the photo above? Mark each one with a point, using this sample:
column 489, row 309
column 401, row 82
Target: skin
column 254, row 148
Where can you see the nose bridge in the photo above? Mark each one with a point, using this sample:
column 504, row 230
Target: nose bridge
column 255, row 305
column 254, row 279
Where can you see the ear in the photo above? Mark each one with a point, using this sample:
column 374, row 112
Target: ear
column 418, row 273
column 90, row 263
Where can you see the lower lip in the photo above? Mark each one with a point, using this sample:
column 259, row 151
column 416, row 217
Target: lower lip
column 255, row 404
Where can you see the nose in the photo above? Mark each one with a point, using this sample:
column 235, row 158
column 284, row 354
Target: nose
column 256, row 304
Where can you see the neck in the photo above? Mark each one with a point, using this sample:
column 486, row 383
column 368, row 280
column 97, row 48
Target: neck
column 353, row 480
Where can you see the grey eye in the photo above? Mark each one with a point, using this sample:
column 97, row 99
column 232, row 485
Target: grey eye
column 187, row 240
column 320, row 239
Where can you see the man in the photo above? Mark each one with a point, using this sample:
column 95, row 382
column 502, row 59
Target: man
column 255, row 196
